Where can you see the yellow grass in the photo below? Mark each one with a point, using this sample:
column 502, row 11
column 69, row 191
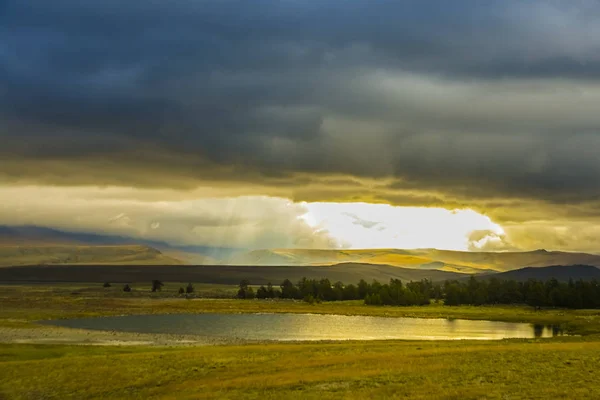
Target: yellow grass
column 459, row 261
column 71, row 254
column 416, row 370
column 28, row 303
column 564, row 367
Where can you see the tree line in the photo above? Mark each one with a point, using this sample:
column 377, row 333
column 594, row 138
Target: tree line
column 315, row 290
column 549, row 293
column 156, row 286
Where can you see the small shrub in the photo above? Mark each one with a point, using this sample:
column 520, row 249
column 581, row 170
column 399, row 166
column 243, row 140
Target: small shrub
column 106, row 285
column 127, row 288
column 157, row 285
column 310, row 299
column 245, row 291
column 189, row 288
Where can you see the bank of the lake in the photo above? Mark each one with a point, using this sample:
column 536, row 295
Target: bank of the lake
column 24, row 305
column 310, row 327
column 171, row 367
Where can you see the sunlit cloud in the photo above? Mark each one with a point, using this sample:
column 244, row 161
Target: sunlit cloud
column 241, row 222
column 362, row 225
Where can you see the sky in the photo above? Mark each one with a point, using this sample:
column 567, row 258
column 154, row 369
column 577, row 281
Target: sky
column 460, row 124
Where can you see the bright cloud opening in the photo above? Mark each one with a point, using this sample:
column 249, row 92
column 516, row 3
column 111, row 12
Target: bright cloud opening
column 363, row 225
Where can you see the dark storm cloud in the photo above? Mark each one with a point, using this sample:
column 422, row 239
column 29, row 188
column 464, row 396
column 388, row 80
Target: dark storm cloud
column 467, row 99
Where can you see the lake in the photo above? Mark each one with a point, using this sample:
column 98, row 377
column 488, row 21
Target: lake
column 310, row 327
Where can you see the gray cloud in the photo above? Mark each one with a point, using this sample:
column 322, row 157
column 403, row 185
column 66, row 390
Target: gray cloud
column 454, row 103
column 362, row 222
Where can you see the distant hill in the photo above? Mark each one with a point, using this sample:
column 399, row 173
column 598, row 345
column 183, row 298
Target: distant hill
column 394, row 257
column 72, row 254
column 70, row 246
column 41, row 236
column 226, row 274
column 559, row 272
column 445, row 260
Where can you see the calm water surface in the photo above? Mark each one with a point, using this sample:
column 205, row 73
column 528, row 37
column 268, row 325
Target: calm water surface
column 288, row 327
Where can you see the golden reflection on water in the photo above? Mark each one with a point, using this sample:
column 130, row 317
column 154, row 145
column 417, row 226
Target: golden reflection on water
column 292, row 327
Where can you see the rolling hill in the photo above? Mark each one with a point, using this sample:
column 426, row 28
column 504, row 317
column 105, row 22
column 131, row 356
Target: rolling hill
column 444, row 260
column 31, row 245
column 224, row 274
column 44, row 237
column 560, row 272
column 70, row 254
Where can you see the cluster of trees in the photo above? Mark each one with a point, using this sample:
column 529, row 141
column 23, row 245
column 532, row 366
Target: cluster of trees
column 156, row 287
column 318, row 290
column 245, row 291
column 189, row 289
column 550, row 293
column 397, row 294
column 315, row 290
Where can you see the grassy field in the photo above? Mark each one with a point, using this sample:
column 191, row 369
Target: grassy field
column 564, row 367
column 14, row 255
column 25, row 304
column 444, row 370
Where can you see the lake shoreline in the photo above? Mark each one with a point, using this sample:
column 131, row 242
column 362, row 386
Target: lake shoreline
column 46, row 334
column 23, row 307
column 291, row 327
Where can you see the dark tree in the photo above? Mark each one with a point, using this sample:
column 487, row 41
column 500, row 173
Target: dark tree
column 338, row 291
column 245, row 291
column 126, row 288
column 262, row 293
column 189, row 289
column 157, row 285
column 290, row 291
column 106, row 285
column 181, row 291
column 351, row 293
column 363, row 289
column 267, row 292
column 453, row 295
column 271, row 292
column 373, row 300
column 550, row 293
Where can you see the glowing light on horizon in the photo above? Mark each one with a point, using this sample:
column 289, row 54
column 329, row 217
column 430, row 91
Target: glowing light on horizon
column 363, row 225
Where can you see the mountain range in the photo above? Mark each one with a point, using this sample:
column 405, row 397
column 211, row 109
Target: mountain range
column 423, row 259
column 66, row 245
column 26, row 248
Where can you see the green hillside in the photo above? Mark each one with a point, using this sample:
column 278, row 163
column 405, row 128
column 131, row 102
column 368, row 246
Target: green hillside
column 452, row 261
column 70, row 254
column 224, row 274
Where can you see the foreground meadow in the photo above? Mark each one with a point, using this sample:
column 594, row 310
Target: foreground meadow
column 357, row 370
column 564, row 367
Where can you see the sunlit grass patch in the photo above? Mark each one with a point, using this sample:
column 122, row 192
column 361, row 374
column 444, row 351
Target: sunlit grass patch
column 339, row 370
column 530, row 368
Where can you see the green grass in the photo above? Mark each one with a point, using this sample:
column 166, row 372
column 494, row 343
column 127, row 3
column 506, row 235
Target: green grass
column 358, row 370
column 25, row 304
column 12, row 255
column 563, row 367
